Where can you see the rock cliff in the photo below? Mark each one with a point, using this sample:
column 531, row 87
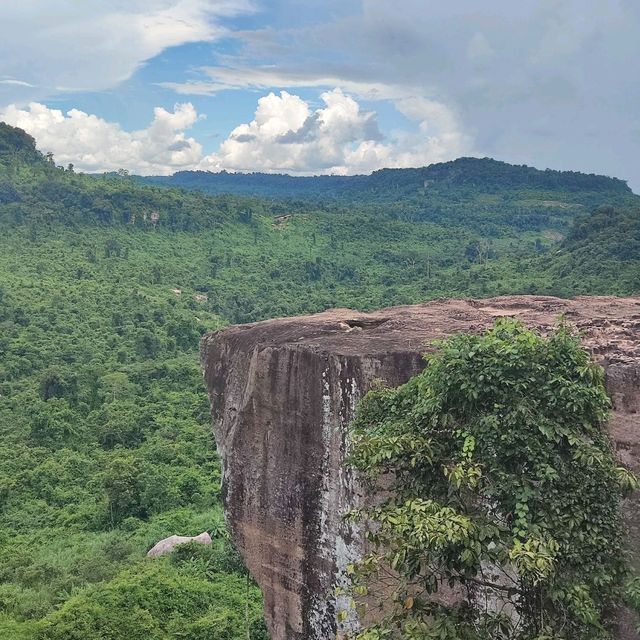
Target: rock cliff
column 283, row 392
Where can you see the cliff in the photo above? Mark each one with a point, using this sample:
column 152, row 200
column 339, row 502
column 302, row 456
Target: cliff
column 283, row 392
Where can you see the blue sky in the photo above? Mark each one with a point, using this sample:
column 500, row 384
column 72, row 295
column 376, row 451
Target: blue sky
column 306, row 87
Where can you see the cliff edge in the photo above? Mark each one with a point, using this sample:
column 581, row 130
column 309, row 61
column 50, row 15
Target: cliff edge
column 283, row 392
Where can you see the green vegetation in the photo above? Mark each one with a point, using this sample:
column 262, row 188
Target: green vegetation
column 197, row 595
column 105, row 432
column 505, row 489
column 107, row 284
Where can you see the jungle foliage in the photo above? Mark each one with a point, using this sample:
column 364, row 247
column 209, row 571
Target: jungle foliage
column 106, row 286
column 504, row 520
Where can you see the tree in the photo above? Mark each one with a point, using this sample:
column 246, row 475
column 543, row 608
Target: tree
column 57, row 383
column 112, row 248
column 504, row 516
column 123, row 488
column 116, row 386
column 52, row 422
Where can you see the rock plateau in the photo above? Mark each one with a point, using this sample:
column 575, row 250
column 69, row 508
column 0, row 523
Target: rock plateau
column 283, row 392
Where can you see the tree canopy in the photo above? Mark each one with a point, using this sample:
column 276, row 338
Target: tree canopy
column 495, row 494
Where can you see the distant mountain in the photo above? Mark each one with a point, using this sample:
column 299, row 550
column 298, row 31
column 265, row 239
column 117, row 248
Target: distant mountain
column 484, row 174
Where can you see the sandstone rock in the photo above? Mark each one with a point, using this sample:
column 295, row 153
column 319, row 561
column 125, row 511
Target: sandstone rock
column 167, row 545
column 283, row 392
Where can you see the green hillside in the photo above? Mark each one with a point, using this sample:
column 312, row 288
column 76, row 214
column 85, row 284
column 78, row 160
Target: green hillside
column 106, row 285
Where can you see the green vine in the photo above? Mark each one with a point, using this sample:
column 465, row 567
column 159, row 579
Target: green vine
column 503, row 520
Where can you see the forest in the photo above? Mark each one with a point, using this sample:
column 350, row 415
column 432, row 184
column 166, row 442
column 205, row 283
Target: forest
column 107, row 283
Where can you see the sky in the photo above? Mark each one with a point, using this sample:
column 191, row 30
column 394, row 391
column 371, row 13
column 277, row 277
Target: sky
column 320, row 87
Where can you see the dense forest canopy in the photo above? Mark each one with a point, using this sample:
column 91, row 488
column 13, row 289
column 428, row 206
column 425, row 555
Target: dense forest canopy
column 106, row 285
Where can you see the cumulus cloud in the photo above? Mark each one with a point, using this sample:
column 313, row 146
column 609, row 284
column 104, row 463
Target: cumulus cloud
column 286, row 135
column 79, row 46
column 93, row 144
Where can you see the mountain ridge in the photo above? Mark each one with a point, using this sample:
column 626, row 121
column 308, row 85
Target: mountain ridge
column 464, row 171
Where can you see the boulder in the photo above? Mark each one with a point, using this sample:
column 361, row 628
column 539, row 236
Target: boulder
column 167, row 545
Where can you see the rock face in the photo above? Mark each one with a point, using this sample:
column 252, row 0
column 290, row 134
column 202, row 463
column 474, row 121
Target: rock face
column 283, row 392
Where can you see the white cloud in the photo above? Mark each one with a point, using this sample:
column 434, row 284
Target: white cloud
column 439, row 136
column 286, row 135
column 257, row 77
column 93, row 144
column 87, row 46
column 15, row 83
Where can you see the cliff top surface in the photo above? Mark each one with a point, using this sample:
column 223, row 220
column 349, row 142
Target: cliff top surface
column 609, row 325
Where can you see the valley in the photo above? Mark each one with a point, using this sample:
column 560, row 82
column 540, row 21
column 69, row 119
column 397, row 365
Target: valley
column 107, row 284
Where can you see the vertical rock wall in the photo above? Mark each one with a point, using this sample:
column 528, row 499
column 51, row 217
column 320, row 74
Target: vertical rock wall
column 283, row 392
